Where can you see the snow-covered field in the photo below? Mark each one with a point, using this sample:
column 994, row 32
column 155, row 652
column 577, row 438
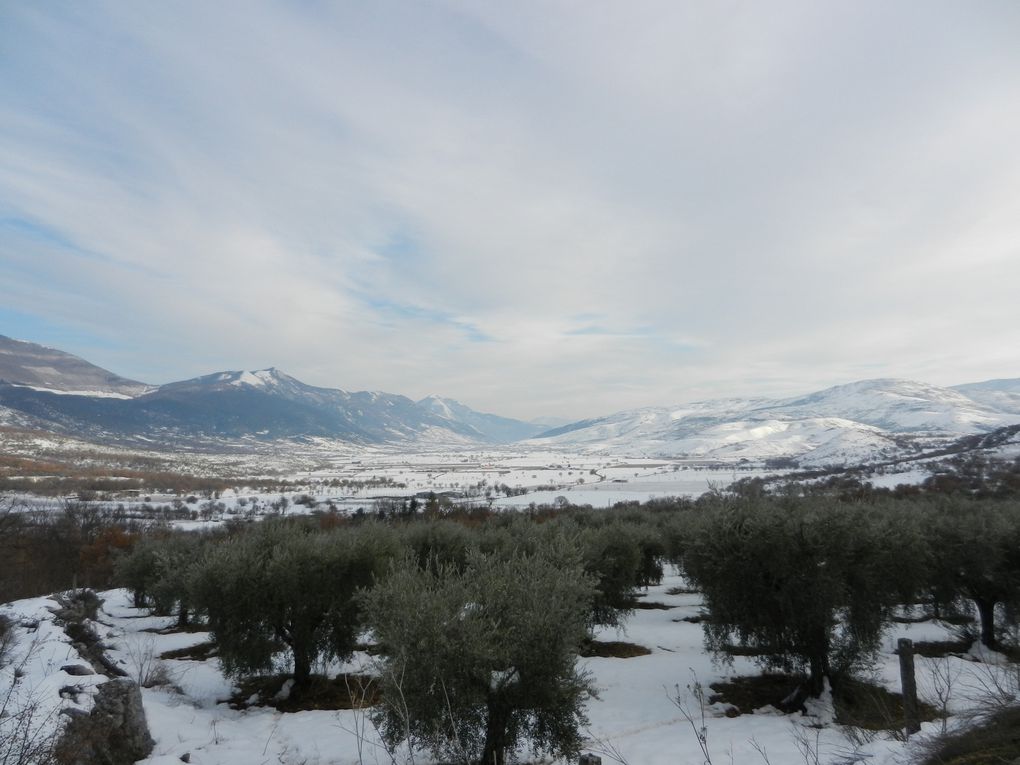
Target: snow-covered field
column 634, row 718
column 369, row 479
column 505, row 477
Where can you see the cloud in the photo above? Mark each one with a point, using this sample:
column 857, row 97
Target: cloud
column 537, row 208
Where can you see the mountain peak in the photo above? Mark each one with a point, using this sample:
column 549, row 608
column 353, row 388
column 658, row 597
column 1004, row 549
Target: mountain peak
column 264, row 378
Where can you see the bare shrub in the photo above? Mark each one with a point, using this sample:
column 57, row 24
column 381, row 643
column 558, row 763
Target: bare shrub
column 28, row 728
column 147, row 669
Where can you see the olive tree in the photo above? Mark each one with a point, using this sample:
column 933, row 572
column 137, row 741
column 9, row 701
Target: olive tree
column 806, row 584
column 974, row 554
column 478, row 662
column 158, row 570
column 612, row 555
column 137, row 570
column 438, row 541
column 285, row 585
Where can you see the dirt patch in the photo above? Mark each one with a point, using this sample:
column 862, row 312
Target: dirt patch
column 197, row 652
column 749, row 693
column 872, row 707
column 696, row 619
column 857, row 702
column 612, row 649
column 174, row 629
column 341, row 692
column 682, row 591
column 649, row 605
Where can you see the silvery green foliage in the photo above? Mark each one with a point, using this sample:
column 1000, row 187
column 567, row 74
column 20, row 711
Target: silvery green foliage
column 806, row 584
column 288, row 586
column 481, row 661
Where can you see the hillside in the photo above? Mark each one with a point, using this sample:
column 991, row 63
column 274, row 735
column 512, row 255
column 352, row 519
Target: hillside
column 49, row 369
column 862, row 421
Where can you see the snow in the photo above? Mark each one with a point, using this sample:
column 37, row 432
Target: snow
column 892, row 480
column 249, row 378
column 862, row 421
column 32, row 678
column 439, row 406
column 89, row 393
column 639, row 713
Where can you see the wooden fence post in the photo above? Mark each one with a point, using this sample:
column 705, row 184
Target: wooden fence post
column 911, row 718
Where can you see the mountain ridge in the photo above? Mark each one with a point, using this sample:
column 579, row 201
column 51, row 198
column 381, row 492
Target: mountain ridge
column 866, row 419
column 492, row 426
column 34, row 365
column 266, row 404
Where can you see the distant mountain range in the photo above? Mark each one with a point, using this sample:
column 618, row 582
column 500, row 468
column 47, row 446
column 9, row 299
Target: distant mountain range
column 50, row 390
column 867, row 420
column 46, row 389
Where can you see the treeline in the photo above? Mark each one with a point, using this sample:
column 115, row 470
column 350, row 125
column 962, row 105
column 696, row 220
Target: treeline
column 52, row 551
column 974, row 475
column 111, row 476
column 478, row 617
column 63, row 482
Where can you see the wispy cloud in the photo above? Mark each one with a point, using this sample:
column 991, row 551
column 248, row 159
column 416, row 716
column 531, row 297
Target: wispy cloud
column 538, row 208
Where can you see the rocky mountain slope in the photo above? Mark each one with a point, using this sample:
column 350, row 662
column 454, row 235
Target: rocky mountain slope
column 47, row 368
column 492, row 427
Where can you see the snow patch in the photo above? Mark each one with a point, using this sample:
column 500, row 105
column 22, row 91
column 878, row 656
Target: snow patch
column 89, row 393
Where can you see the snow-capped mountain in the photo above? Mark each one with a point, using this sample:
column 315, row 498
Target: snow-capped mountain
column 265, row 404
column 1003, row 395
column 867, row 420
column 898, row 406
column 46, row 389
column 45, row 368
column 492, row 427
column 871, row 420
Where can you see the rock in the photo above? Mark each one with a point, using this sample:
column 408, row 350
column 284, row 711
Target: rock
column 71, row 692
column 77, row 670
column 114, row 733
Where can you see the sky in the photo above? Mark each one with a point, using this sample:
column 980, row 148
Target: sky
column 537, row 208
